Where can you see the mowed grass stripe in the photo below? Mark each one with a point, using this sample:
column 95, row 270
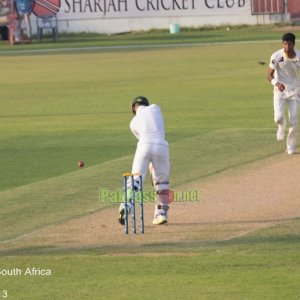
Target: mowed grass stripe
column 66, row 102
column 206, row 94
column 71, row 50
column 264, row 264
column 54, row 200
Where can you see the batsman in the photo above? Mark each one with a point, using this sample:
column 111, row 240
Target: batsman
column 152, row 154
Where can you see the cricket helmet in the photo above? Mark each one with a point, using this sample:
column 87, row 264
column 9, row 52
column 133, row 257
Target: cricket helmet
column 141, row 100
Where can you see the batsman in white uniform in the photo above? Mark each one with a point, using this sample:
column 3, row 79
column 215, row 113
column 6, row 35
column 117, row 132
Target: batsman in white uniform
column 283, row 74
column 152, row 153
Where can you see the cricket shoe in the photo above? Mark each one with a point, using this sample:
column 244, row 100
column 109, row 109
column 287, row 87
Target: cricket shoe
column 160, row 219
column 280, row 131
column 291, row 151
column 122, row 212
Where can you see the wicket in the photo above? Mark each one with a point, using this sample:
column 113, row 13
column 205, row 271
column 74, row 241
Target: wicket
column 136, row 192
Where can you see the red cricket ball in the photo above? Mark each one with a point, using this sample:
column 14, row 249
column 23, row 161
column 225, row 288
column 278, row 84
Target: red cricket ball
column 80, row 163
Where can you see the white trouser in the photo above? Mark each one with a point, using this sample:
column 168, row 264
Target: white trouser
column 158, row 155
column 25, row 18
column 279, row 117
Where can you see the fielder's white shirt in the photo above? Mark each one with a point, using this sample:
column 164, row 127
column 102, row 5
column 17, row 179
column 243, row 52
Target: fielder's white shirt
column 148, row 125
column 286, row 72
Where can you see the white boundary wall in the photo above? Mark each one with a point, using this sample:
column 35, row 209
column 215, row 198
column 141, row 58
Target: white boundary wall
column 117, row 16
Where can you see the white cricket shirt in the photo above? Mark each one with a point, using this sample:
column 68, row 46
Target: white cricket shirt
column 148, row 125
column 286, row 72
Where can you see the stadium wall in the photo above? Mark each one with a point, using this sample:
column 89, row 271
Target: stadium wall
column 118, row 16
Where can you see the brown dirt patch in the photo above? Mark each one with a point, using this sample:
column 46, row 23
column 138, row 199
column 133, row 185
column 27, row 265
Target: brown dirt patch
column 233, row 203
column 289, row 28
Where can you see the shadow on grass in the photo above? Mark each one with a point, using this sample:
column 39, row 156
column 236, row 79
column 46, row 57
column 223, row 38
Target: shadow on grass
column 253, row 240
column 276, row 237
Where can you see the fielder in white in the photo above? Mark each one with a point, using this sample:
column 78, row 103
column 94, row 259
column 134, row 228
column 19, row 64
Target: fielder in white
column 152, row 153
column 24, row 8
column 283, row 74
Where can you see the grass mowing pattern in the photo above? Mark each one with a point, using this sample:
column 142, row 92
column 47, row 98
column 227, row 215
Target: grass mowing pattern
column 58, row 109
column 95, row 42
column 264, row 265
column 78, row 107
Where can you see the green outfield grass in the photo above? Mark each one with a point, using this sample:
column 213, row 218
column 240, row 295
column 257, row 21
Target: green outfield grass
column 216, row 101
column 264, row 265
column 208, row 34
column 58, row 109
